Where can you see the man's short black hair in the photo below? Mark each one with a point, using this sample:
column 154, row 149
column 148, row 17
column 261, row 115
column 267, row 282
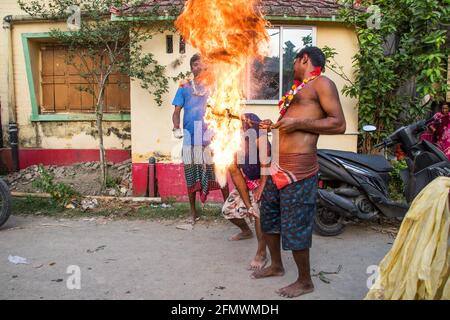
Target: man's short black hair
column 194, row 59
column 316, row 55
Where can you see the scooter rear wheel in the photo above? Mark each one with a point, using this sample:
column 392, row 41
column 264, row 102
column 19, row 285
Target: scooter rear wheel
column 5, row 202
column 328, row 223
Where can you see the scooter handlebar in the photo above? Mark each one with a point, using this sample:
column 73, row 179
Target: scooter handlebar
column 385, row 143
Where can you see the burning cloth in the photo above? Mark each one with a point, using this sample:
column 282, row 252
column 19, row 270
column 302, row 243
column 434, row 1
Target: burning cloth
column 228, row 34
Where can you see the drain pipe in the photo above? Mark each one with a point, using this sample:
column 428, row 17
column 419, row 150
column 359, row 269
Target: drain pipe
column 152, row 185
column 11, row 99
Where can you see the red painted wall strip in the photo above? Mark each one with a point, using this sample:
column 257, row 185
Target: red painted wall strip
column 140, row 179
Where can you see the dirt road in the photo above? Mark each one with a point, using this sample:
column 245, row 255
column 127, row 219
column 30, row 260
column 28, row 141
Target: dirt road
column 149, row 260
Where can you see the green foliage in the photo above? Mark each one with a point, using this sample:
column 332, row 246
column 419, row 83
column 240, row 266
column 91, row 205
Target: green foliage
column 396, row 185
column 409, row 47
column 61, row 194
column 45, row 207
column 112, row 182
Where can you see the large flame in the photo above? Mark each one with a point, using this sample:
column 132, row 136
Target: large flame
column 228, row 34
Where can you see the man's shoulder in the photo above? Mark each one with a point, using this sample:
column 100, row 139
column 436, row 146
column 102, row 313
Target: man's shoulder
column 324, row 83
column 324, row 80
column 184, row 84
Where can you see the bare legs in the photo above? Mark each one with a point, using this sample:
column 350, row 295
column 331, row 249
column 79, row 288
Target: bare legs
column 194, row 215
column 303, row 284
column 225, row 193
column 276, row 267
column 192, row 199
column 245, row 233
column 260, row 259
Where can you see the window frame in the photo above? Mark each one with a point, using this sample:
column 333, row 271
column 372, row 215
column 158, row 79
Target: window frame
column 282, row 27
column 36, row 116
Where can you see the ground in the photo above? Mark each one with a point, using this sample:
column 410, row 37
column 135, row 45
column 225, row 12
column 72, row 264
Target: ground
column 152, row 259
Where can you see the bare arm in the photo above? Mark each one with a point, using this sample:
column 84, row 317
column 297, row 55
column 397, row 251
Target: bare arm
column 264, row 160
column 241, row 186
column 333, row 123
column 176, row 117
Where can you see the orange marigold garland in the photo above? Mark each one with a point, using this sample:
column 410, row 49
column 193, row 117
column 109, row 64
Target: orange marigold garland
column 286, row 100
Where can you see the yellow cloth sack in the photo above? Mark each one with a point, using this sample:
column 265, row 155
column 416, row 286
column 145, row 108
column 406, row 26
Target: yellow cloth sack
column 417, row 266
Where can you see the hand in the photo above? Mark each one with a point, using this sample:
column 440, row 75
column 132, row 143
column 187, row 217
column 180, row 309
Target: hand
column 266, row 124
column 257, row 194
column 287, row 125
column 252, row 213
column 177, row 133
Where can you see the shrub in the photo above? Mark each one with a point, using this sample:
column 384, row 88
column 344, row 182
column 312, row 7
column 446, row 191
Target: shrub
column 61, row 194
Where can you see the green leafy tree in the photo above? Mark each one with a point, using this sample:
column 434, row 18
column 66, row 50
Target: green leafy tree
column 402, row 57
column 100, row 47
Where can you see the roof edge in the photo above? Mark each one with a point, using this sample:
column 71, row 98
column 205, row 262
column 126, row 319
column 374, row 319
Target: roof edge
column 284, row 18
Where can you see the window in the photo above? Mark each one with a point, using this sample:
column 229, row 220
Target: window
column 268, row 80
column 169, row 44
column 63, row 90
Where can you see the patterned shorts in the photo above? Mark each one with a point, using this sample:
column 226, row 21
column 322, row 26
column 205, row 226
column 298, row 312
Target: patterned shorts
column 234, row 207
column 290, row 212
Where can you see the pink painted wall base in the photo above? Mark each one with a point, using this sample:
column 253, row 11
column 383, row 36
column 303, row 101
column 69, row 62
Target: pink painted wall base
column 171, row 183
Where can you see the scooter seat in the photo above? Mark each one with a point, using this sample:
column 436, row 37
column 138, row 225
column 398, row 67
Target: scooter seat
column 374, row 162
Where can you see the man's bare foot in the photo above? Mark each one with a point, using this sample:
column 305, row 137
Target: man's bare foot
column 258, row 263
column 242, row 236
column 192, row 220
column 296, row 289
column 268, row 272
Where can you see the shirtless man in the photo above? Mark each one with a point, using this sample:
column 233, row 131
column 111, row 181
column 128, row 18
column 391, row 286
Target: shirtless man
column 289, row 198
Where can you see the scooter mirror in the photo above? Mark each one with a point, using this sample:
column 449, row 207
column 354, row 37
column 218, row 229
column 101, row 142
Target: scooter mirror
column 425, row 100
column 369, row 128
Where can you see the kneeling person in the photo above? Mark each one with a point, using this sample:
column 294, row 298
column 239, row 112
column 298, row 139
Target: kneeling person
column 242, row 205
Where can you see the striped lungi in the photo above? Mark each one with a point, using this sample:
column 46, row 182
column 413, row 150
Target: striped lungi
column 199, row 170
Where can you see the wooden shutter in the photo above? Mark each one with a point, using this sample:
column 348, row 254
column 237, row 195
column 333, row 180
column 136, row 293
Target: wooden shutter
column 61, row 83
column 47, row 83
column 117, row 98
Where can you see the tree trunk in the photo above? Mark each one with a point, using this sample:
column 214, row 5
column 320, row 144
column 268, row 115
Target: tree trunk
column 99, row 123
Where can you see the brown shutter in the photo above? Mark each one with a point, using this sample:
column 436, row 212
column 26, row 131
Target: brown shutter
column 48, row 97
column 74, row 83
column 125, row 94
column 60, row 80
column 61, row 83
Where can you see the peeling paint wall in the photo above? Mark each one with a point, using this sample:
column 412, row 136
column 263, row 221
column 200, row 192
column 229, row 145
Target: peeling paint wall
column 73, row 135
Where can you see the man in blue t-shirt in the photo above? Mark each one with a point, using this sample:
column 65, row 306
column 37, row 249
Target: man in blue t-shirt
column 192, row 97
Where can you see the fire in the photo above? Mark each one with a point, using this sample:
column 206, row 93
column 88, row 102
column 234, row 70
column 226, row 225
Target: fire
column 228, row 34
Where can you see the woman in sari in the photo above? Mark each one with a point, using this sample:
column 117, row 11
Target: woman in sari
column 440, row 129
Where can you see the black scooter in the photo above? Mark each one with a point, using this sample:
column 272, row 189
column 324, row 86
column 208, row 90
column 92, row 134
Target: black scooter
column 355, row 186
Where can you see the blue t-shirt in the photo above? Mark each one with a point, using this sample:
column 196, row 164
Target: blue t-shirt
column 194, row 106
